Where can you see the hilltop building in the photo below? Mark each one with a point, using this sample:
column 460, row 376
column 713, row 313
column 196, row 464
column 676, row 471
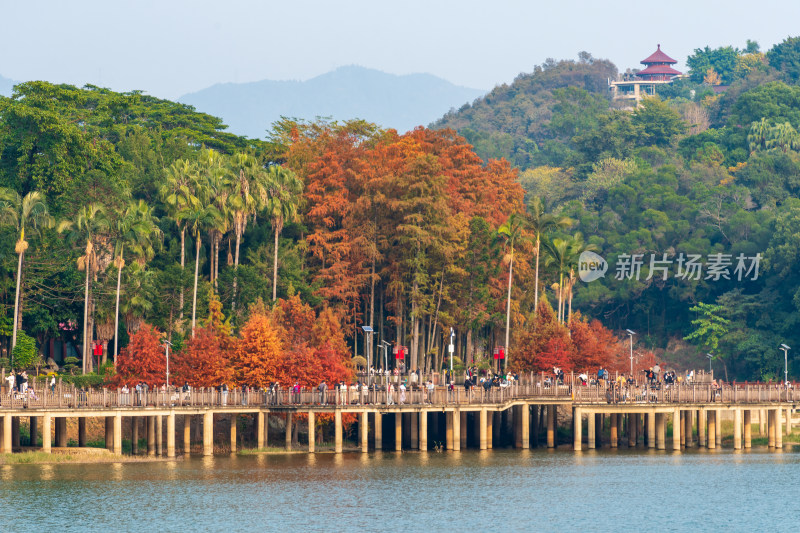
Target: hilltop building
column 633, row 87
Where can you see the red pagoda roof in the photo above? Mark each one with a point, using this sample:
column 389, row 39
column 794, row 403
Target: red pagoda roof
column 658, row 57
column 658, row 70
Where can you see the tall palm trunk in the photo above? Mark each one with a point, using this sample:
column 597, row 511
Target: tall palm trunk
column 196, row 271
column 275, row 264
column 560, row 297
column 536, row 279
column 236, row 267
column 183, row 264
column 86, row 318
column 216, row 260
column 508, row 307
column 120, row 263
column 16, row 302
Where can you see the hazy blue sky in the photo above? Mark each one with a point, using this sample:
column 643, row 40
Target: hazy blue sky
column 168, row 48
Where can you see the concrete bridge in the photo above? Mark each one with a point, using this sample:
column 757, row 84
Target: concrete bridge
column 517, row 415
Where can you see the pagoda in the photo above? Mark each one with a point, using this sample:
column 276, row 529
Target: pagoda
column 628, row 90
column 658, row 67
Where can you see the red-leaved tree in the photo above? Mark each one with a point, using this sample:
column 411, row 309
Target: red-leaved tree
column 143, row 359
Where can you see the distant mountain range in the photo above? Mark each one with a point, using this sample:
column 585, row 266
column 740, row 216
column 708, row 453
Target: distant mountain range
column 6, row 85
column 391, row 101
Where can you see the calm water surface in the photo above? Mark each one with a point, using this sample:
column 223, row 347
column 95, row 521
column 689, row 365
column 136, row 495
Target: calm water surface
column 502, row 490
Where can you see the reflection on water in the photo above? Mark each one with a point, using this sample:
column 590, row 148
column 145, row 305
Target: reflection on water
column 520, row 490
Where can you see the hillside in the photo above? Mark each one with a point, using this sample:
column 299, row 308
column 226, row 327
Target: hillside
column 514, row 121
column 400, row 102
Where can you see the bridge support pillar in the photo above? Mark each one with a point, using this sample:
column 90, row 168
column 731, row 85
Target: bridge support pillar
column 661, row 440
column 233, row 419
column 312, row 437
column 614, row 430
column 718, row 435
column 651, row 430
column 748, row 428
column 778, row 431
column 379, row 430
column 288, row 440
column 109, row 438
column 712, row 429
column 15, row 432
column 770, row 428
column 677, row 430
column 337, row 431
column 737, row 429
column 534, row 436
column 260, row 429
column 134, row 435
column 170, row 434
column 762, row 422
column 187, row 434
column 483, row 420
column 683, row 427
column 591, row 431
column 701, row 427
column 7, row 423
column 363, row 429
column 632, row 428
column 159, row 435
column 46, row 432
column 398, row 432
column 449, row 430
column 689, row 437
column 489, row 429
column 151, row 435
column 117, row 423
column 577, row 429
column 414, row 431
column 208, row 433
column 423, row 430
column 457, row 430
column 525, row 422
column 599, row 422
column 551, row 426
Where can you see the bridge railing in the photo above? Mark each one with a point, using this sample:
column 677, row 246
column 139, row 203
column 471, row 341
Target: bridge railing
column 533, row 387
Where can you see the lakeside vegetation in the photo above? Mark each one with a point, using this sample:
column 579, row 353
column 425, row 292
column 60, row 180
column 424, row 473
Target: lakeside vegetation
column 260, row 261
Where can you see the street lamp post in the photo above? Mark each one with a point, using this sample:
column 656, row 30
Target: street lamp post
column 452, row 350
column 368, row 331
column 385, row 345
column 167, row 344
column 710, row 357
column 631, row 334
column 785, row 363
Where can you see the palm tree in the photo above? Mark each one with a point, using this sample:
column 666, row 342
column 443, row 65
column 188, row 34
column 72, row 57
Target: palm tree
column 198, row 218
column 18, row 212
column 245, row 184
column 91, row 222
column 138, row 229
column 575, row 248
column 281, row 206
column 541, row 223
column 511, row 231
column 179, row 192
column 558, row 252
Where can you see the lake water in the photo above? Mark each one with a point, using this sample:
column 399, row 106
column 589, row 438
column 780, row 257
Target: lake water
column 499, row 490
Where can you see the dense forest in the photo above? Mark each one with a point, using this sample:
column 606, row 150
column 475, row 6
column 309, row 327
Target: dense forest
column 710, row 166
column 127, row 219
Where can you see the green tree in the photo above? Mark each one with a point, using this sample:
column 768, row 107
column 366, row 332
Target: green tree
column 198, row 218
column 785, row 58
column 710, row 327
column 136, row 228
column 541, row 223
column 282, row 202
column 721, row 60
column 19, row 213
column 90, row 224
column 24, row 354
column 660, row 124
column 512, row 231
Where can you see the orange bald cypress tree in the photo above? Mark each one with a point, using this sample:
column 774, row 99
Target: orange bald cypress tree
column 143, row 359
column 258, row 359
